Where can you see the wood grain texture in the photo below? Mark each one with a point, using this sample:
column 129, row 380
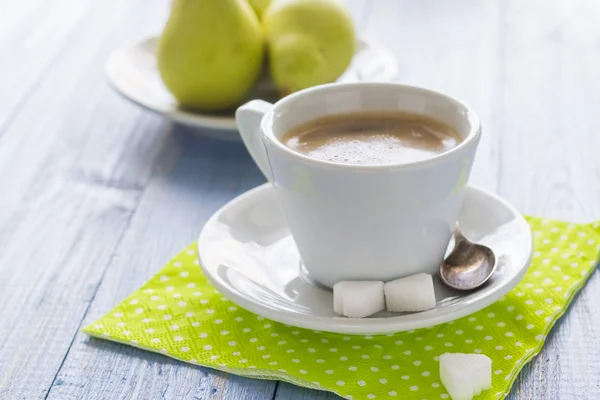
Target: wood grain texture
column 193, row 177
column 70, row 183
column 96, row 194
column 32, row 34
column 549, row 97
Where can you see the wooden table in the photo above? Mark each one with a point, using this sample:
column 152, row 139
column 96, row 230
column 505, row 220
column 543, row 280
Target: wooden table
column 96, row 194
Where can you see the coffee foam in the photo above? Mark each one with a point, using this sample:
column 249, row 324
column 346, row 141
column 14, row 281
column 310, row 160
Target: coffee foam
column 371, row 139
column 373, row 149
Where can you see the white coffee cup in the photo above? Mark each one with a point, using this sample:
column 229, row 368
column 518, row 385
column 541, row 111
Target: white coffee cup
column 357, row 222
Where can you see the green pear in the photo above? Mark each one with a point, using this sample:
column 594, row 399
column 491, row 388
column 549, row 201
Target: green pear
column 210, row 52
column 310, row 42
column 259, row 6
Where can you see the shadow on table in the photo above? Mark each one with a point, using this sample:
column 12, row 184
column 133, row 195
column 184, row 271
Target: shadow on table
column 195, row 161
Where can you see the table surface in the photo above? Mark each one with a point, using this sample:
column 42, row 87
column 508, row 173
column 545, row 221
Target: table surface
column 97, row 194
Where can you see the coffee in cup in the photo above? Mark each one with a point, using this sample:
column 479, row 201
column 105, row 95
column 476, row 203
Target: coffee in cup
column 372, row 138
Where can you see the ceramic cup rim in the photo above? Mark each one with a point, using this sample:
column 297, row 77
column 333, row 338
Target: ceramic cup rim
column 266, row 125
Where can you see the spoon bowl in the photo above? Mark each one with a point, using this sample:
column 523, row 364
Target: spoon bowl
column 469, row 266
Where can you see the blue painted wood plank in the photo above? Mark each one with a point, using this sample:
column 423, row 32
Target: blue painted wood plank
column 547, row 119
column 70, row 182
column 32, row 35
column 194, row 176
column 288, row 391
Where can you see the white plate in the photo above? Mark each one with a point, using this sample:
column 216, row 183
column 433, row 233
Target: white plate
column 248, row 254
column 132, row 72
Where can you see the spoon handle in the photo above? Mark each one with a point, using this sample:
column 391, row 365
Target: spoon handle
column 458, row 236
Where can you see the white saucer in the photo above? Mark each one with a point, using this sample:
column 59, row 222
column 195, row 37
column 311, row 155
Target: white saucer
column 248, row 254
column 132, row 72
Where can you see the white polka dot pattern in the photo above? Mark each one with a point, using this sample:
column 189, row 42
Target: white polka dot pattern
column 180, row 315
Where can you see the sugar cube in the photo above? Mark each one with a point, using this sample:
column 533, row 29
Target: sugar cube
column 358, row 299
column 465, row 375
column 338, row 304
column 411, row 293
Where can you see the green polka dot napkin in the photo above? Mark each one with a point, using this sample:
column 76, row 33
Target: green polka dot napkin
column 179, row 314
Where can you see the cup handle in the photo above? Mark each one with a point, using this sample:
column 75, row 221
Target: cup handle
column 248, row 118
